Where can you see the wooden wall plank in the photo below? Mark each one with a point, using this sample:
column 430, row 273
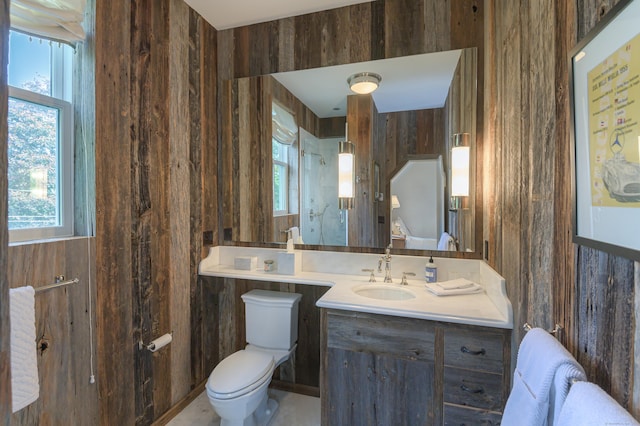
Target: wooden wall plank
column 179, row 205
column 5, row 365
column 538, row 160
column 564, row 299
column 361, row 115
column 113, row 213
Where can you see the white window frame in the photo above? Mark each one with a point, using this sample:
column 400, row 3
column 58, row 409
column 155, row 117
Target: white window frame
column 61, row 89
column 285, row 182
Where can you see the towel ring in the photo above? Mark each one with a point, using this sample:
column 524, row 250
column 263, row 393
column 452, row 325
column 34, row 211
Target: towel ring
column 555, row 330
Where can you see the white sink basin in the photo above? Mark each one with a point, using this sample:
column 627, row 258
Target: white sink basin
column 383, row 292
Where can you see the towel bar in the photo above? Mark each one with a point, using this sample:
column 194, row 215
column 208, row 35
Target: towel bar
column 60, row 282
column 554, row 330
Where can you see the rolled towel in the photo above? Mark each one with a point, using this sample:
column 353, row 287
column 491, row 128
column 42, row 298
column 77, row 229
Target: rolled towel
column 25, row 387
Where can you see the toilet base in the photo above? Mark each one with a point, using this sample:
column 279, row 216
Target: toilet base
column 262, row 415
column 265, row 413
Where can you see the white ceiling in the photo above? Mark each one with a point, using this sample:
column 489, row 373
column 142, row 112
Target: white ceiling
column 225, row 14
column 408, row 83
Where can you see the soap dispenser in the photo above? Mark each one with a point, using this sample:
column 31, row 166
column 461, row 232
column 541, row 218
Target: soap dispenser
column 431, row 271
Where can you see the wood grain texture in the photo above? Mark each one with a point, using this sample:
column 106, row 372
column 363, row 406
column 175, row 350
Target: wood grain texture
column 158, row 129
column 180, row 202
column 62, row 324
column 5, row 331
column 113, row 214
column 527, row 192
column 380, row 369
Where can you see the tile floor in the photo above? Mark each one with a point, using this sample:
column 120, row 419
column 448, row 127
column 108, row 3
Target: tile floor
column 295, row 409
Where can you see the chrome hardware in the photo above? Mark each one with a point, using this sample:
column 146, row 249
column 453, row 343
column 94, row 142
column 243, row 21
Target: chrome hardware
column 404, row 277
column 555, row 330
column 387, row 265
column 372, row 278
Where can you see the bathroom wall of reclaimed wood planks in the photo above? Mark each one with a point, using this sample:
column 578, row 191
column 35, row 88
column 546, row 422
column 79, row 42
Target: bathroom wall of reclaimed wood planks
column 527, row 208
column 159, row 69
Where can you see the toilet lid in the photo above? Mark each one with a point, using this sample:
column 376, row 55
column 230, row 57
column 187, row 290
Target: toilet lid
column 239, row 371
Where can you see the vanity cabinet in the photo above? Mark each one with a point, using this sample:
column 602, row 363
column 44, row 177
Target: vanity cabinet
column 383, row 370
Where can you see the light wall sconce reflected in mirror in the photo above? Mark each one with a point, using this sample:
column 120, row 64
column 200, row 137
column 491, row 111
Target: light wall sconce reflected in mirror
column 346, row 184
column 460, row 157
column 364, row 83
column 395, row 202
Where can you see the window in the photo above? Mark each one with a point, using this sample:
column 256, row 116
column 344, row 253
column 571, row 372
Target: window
column 280, row 178
column 40, row 144
column 284, row 134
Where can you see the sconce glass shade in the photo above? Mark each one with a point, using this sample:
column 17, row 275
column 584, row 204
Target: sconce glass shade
column 395, row 203
column 364, row 83
column 460, row 171
column 346, row 159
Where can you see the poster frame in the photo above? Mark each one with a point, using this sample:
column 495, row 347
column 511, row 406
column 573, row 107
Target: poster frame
column 581, row 145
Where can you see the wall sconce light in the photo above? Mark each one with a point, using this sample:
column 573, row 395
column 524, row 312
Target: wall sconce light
column 395, row 203
column 346, row 184
column 460, row 156
column 364, row 83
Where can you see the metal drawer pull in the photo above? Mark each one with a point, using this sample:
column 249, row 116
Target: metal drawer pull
column 466, row 350
column 467, row 389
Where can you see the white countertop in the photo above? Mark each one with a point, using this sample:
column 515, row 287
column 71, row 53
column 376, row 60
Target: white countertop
column 490, row 308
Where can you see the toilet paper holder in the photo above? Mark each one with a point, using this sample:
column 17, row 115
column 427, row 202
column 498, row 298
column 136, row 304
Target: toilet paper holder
column 156, row 344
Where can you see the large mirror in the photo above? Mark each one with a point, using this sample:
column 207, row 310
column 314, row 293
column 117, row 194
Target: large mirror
column 280, row 143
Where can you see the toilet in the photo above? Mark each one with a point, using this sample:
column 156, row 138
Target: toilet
column 237, row 387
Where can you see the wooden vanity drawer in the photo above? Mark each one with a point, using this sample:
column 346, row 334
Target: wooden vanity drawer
column 474, row 350
column 473, row 388
column 455, row 415
column 406, row 338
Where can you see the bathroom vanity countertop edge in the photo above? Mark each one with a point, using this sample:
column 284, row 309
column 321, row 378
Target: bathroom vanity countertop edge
column 475, row 309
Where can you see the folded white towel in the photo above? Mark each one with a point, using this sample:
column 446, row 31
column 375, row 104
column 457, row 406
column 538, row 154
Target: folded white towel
column 588, row 405
column 540, row 358
column 453, row 287
column 455, row 284
column 25, row 387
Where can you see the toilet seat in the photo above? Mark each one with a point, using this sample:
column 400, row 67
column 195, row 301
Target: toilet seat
column 240, row 373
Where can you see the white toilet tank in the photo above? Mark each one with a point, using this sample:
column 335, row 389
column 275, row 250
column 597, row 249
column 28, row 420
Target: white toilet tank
column 271, row 318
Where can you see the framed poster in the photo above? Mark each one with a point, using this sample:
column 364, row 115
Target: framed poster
column 605, row 109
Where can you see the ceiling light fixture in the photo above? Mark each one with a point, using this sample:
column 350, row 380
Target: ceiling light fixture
column 364, row 83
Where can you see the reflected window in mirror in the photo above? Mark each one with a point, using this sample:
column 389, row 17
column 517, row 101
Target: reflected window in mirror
column 280, row 178
column 283, row 147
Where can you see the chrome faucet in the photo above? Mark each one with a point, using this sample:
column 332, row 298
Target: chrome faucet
column 387, row 264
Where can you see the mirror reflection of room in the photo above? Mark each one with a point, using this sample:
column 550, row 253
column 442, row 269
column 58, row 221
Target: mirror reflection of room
column 386, row 130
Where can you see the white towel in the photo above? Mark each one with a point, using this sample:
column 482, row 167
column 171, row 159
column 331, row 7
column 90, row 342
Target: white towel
column 25, row 388
column 588, row 405
column 453, row 287
column 540, row 358
column 562, row 381
column 443, row 244
column 294, row 235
